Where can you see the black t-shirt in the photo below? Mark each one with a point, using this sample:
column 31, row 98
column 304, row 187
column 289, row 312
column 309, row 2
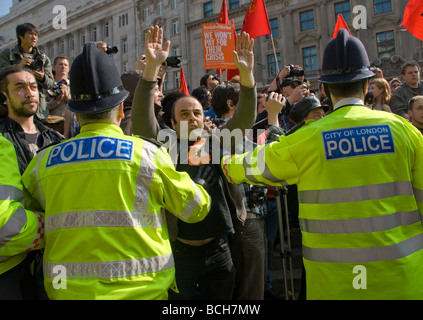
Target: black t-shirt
column 218, row 221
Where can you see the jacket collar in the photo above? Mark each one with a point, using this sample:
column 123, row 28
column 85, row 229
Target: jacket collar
column 101, row 126
column 348, row 102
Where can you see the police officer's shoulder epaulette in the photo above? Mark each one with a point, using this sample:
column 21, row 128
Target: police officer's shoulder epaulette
column 151, row 140
column 295, row 128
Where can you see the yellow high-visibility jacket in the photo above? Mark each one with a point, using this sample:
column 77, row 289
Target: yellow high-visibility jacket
column 20, row 230
column 360, row 187
column 104, row 196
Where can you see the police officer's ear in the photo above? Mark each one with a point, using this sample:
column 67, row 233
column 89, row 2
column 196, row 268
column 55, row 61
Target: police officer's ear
column 326, row 88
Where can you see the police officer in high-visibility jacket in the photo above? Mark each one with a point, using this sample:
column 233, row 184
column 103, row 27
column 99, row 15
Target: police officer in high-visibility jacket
column 20, row 230
column 360, row 183
column 104, row 196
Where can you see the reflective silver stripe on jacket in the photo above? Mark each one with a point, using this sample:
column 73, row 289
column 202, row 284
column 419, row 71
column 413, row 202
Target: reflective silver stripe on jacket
column 109, row 269
column 11, row 193
column 360, row 225
column 264, row 171
column 192, row 204
column 102, row 218
column 145, row 177
column 418, row 194
column 13, row 226
column 362, row 255
column 355, row 194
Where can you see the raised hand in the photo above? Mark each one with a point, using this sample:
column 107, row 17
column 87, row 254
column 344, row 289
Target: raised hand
column 156, row 52
column 244, row 58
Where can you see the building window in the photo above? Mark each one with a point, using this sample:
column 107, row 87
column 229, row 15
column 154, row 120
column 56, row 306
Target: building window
column 95, row 34
column 125, row 66
column 233, row 4
column 307, row 20
column 310, row 59
column 271, row 64
column 208, row 9
column 160, row 8
column 146, row 14
column 175, row 27
column 72, row 43
column 274, row 28
column 62, row 47
column 82, row 40
column 174, row 4
column 177, row 75
column 106, row 30
column 343, row 8
column 382, row 6
column 125, row 45
column 176, row 51
column 385, row 43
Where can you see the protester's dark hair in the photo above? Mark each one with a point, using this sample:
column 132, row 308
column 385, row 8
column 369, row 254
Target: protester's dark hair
column 4, row 72
column 167, row 106
column 203, row 80
column 410, row 63
column 221, row 94
column 202, row 94
column 23, row 28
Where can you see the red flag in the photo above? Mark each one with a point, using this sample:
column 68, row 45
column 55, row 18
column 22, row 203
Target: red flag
column 223, row 17
column 182, row 83
column 340, row 24
column 232, row 72
column 256, row 22
column 413, row 18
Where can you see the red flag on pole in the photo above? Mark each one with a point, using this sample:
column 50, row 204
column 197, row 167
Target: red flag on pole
column 413, row 18
column 223, row 17
column 340, row 24
column 256, row 22
column 232, row 72
column 182, row 83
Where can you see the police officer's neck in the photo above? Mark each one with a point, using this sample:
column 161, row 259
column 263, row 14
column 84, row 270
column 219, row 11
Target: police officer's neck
column 335, row 100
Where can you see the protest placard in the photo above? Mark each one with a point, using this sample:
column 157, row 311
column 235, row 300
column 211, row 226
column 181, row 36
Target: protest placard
column 218, row 44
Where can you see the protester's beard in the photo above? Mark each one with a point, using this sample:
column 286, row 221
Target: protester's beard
column 19, row 109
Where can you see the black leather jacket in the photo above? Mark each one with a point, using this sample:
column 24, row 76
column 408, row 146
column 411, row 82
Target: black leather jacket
column 13, row 132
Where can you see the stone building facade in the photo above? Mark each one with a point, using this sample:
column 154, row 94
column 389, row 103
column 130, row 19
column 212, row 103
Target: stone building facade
column 300, row 28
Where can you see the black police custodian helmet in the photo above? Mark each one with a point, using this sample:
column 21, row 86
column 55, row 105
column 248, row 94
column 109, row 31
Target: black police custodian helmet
column 95, row 82
column 345, row 60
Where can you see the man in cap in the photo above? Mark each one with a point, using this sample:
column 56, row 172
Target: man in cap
column 358, row 173
column 306, row 109
column 106, row 236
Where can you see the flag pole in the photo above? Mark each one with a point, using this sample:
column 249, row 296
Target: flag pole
column 274, row 53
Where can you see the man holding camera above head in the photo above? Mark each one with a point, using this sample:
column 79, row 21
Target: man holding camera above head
column 59, row 95
column 27, row 55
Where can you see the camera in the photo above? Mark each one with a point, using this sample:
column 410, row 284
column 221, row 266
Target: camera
column 56, row 88
column 257, row 196
column 173, row 61
column 295, row 71
column 37, row 65
column 112, row 50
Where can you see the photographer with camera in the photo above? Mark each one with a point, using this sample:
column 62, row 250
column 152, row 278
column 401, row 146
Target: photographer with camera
column 27, row 55
column 59, row 95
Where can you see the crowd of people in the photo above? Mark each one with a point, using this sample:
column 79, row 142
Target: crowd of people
column 117, row 181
